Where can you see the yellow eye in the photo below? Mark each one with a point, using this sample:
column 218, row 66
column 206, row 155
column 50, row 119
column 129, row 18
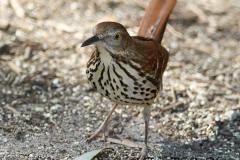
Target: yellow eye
column 117, row 36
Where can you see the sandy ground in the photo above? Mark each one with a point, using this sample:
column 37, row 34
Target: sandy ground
column 46, row 110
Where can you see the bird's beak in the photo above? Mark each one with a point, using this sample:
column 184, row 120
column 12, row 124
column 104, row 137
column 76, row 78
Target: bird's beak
column 90, row 41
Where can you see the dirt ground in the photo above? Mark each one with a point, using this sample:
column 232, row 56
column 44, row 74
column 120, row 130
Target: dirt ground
column 46, row 110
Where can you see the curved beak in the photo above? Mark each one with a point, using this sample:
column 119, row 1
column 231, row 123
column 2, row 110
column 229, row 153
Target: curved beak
column 90, row 41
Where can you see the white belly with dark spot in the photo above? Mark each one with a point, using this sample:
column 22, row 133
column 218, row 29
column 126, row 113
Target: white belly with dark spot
column 119, row 81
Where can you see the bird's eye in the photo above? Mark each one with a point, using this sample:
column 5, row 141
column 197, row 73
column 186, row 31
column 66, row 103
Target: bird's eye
column 117, row 36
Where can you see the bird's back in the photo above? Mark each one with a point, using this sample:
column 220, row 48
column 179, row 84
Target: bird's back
column 153, row 57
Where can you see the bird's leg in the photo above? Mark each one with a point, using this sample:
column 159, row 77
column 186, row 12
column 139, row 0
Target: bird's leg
column 103, row 127
column 146, row 116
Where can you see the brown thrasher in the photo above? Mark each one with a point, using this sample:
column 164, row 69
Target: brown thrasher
column 128, row 70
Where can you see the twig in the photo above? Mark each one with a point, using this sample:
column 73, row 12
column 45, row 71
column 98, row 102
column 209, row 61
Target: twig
column 17, row 8
column 175, row 64
column 190, row 44
column 124, row 142
column 14, row 67
column 10, row 108
column 214, row 82
column 190, row 95
column 175, row 32
column 171, row 107
column 199, row 12
column 174, row 96
column 225, row 71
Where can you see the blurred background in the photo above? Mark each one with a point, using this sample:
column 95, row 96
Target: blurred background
column 45, row 105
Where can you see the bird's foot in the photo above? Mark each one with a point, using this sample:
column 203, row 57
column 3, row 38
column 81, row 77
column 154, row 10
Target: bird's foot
column 143, row 153
column 98, row 133
column 102, row 129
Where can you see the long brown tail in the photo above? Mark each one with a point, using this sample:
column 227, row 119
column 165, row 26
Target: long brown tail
column 156, row 16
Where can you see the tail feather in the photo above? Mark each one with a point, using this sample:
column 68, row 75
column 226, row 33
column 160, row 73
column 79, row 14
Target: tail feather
column 156, row 16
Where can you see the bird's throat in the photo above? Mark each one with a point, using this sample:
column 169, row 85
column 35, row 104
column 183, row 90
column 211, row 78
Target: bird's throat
column 105, row 54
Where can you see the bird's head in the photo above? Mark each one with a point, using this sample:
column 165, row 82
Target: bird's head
column 110, row 35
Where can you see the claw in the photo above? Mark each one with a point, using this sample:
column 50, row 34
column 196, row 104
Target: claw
column 100, row 131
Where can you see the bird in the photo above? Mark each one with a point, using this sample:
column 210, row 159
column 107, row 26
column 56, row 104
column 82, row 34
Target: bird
column 126, row 69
